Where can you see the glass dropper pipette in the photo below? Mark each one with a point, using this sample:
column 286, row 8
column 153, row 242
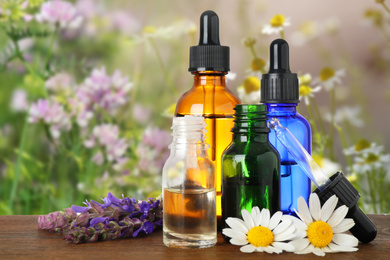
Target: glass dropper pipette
column 337, row 184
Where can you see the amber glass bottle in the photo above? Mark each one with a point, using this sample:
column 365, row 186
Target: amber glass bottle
column 209, row 97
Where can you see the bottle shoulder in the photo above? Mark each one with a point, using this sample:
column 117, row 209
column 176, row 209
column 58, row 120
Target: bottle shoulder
column 252, row 149
column 199, row 100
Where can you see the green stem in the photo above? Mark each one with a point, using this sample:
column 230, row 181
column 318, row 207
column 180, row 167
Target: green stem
column 313, row 121
column 332, row 113
column 344, row 143
column 50, row 48
column 370, row 176
column 318, row 114
column 282, row 34
column 161, row 63
column 385, row 7
column 256, row 58
column 18, row 165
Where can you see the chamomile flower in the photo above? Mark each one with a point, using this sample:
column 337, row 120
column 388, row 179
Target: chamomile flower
column 363, row 148
column 370, row 162
column 329, row 78
column 259, row 232
column 249, row 91
column 322, row 227
column 306, row 91
column 276, row 24
column 347, row 114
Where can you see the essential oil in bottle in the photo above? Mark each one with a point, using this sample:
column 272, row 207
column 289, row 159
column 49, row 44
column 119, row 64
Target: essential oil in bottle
column 250, row 165
column 280, row 92
column 189, row 218
column 209, row 97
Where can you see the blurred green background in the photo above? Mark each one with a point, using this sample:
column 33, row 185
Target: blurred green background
column 148, row 41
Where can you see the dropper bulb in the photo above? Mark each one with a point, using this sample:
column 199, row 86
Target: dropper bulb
column 279, row 57
column 209, row 28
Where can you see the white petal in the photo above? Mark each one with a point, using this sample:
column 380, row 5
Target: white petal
column 337, row 248
column 345, row 240
column 285, row 236
column 259, row 249
column 265, row 215
column 256, row 215
column 318, row 251
column 299, row 234
column 247, row 219
column 282, row 227
column 307, row 250
column 328, row 208
column 299, row 224
column 248, row 249
column 233, row 233
column 315, row 206
column 268, row 249
column 284, row 246
column 345, row 225
column 300, row 244
column 237, row 224
column 275, row 249
column 275, row 219
column 238, row 242
column 338, row 215
column 303, row 211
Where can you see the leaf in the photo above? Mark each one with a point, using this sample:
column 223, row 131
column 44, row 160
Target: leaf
column 17, row 34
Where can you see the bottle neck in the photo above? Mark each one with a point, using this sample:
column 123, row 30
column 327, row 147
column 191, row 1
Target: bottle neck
column 281, row 109
column 250, row 137
column 209, row 78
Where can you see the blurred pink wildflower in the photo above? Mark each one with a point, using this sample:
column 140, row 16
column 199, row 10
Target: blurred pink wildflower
column 19, row 101
column 51, row 113
column 59, row 13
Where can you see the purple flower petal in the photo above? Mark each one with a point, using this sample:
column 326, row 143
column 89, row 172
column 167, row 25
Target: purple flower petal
column 113, row 199
column 97, row 220
column 147, row 228
column 159, row 222
column 79, row 209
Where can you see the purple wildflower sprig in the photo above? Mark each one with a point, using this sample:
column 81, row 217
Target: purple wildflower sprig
column 115, row 218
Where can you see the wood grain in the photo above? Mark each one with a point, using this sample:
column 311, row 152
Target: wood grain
column 20, row 239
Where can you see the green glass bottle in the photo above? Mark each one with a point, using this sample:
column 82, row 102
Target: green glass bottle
column 250, row 165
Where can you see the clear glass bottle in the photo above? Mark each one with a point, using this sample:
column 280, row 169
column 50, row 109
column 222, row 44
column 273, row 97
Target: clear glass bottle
column 189, row 219
column 250, row 165
column 209, row 97
column 280, row 92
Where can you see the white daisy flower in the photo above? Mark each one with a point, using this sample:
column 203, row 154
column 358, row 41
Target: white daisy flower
column 347, row 114
column 306, row 91
column 370, row 162
column 259, row 232
column 276, row 24
column 249, row 91
column 329, row 78
column 322, row 227
column 363, row 148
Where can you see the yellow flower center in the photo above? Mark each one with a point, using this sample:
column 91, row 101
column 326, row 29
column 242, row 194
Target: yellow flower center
column 308, row 28
column 257, row 64
column 327, row 73
column 371, row 158
column 362, row 144
column 319, row 160
column 171, row 109
column 277, row 21
column 304, row 90
column 149, row 30
column 251, row 84
column 248, row 42
column 319, row 233
column 260, row 236
column 304, row 79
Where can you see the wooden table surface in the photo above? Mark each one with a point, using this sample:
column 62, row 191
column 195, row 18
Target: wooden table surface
column 20, row 239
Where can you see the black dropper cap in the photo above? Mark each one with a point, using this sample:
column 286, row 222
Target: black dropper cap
column 209, row 55
column 279, row 85
column 364, row 229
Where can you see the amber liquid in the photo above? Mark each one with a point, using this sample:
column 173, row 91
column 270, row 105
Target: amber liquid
column 189, row 218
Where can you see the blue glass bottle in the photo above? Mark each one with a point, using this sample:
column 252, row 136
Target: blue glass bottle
column 280, row 93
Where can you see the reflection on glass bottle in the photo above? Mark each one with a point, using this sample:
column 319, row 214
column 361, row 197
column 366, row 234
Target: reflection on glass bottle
column 209, row 97
column 189, row 219
column 280, row 92
column 250, row 165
